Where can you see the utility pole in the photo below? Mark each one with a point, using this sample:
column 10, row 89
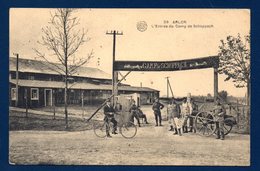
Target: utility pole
column 167, row 80
column 215, row 83
column 114, row 73
column 169, row 87
column 17, row 78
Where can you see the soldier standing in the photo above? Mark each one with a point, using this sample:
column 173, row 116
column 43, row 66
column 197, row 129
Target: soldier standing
column 170, row 115
column 174, row 111
column 186, row 112
column 219, row 113
column 157, row 106
column 193, row 114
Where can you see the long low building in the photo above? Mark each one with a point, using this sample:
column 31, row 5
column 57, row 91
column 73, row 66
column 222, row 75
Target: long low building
column 42, row 86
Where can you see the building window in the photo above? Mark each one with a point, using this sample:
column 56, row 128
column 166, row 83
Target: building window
column 31, row 77
column 13, row 93
column 34, row 94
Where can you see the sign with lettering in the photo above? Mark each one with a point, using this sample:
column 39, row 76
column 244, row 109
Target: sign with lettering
column 198, row 63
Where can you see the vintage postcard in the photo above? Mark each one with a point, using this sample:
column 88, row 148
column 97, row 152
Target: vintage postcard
column 129, row 87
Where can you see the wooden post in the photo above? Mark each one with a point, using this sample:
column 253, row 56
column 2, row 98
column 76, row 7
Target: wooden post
column 26, row 102
column 115, row 87
column 114, row 73
column 17, row 78
column 215, row 83
column 54, row 105
column 82, row 102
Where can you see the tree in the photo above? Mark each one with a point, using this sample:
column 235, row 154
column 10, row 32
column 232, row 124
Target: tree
column 63, row 38
column 234, row 56
column 223, row 94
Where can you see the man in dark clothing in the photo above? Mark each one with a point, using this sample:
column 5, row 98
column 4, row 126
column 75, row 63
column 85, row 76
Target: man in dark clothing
column 157, row 106
column 219, row 112
column 193, row 114
column 134, row 113
column 141, row 115
column 109, row 112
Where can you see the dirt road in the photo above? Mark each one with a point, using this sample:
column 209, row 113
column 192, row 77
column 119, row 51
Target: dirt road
column 151, row 146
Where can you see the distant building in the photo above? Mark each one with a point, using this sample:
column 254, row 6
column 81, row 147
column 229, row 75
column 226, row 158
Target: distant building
column 45, row 86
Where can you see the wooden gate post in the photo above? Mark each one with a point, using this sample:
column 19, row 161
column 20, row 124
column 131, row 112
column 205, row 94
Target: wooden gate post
column 215, row 83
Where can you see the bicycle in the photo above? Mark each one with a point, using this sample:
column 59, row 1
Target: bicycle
column 126, row 128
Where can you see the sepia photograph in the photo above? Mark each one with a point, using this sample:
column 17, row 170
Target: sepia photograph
column 138, row 87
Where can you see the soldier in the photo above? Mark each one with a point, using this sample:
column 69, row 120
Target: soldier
column 194, row 113
column 170, row 115
column 109, row 112
column 157, row 106
column 174, row 116
column 134, row 113
column 186, row 112
column 141, row 115
column 219, row 113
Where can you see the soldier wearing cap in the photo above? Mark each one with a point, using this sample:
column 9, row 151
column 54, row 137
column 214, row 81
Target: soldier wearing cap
column 186, row 113
column 109, row 112
column 174, row 117
column 219, row 113
column 134, row 113
column 157, row 106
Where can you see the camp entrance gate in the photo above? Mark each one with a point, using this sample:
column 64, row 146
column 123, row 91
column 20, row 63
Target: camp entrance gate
column 198, row 63
column 189, row 64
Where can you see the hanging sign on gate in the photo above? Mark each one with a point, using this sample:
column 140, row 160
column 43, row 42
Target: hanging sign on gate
column 198, row 63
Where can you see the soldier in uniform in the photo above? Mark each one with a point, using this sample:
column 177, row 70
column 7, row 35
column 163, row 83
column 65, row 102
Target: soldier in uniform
column 174, row 117
column 157, row 106
column 219, row 113
column 134, row 113
column 109, row 112
column 170, row 115
column 141, row 115
column 186, row 112
column 194, row 113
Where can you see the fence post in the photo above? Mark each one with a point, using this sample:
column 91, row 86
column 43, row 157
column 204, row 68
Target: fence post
column 26, row 103
column 54, row 106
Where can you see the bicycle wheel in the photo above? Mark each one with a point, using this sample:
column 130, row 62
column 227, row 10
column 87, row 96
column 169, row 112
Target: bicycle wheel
column 128, row 130
column 100, row 129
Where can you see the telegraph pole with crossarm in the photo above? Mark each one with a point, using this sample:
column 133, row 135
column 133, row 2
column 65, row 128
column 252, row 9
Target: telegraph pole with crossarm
column 114, row 73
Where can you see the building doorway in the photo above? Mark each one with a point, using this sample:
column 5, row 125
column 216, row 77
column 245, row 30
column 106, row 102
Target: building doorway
column 48, row 97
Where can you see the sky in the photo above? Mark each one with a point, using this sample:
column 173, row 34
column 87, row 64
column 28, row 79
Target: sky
column 156, row 43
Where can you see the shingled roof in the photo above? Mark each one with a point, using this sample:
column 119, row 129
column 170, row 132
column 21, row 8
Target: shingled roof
column 37, row 66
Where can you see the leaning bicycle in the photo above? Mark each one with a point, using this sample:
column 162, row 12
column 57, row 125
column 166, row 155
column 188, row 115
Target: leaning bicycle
column 126, row 128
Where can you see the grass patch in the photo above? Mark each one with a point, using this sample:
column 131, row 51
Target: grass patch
column 19, row 121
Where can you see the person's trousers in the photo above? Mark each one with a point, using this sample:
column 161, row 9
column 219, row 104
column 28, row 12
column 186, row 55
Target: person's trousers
column 134, row 115
column 220, row 126
column 113, row 120
column 158, row 117
column 187, row 121
column 177, row 122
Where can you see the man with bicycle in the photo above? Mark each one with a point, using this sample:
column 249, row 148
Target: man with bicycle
column 109, row 113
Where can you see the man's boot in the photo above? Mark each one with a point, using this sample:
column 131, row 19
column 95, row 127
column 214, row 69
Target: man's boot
column 222, row 135
column 218, row 134
column 114, row 132
column 171, row 129
column 179, row 132
column 191, row 129
column 109, row 136
column 175, row 131
column 185, row 130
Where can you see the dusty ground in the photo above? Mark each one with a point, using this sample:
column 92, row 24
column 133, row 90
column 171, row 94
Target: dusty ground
column 151, row 146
